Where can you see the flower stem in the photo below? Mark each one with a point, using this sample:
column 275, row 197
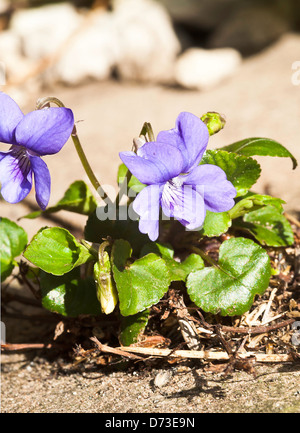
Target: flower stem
column 45, row 102
column 94, row 181
column 146, row 130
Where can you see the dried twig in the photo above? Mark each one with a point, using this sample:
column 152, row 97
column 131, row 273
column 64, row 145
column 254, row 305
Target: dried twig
column 207, row 355
column 256, row 329
column 113, row 350
column 23, row 346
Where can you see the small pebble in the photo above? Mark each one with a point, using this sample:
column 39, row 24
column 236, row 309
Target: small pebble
column 162, row 378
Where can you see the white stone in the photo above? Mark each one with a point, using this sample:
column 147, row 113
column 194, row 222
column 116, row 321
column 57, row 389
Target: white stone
column 45, row 30
column 4, row 5
column 12, row 63
column 147, row 41
column 92, row 53
column 203, row 69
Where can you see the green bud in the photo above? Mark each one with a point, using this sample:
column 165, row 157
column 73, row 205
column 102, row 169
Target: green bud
column 106, row 290
column 214, row 122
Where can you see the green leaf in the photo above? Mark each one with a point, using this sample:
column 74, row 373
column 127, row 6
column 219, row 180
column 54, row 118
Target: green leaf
column 133, row 183
column 140, row 284
column 261, row 147
column 216, row 223
column 78, row 198
column 13, row 240
column 163, row 250
column 252, row 201
column 132, row 327
column 178, row 271
column 128, row 229
column 241, row 171
column 243, row 271
column 56, row 251
column 268, row 226
column 69, row 294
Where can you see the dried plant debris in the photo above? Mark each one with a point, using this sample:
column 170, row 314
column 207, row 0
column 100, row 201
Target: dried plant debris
column 177, row 331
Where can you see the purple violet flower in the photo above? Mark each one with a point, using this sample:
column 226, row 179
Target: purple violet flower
column 175, row 180
column 39, row 133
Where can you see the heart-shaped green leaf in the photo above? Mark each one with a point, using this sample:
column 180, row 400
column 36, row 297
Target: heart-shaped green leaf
column 268, row 226
column 178, row 271
column 13, row 240
column 56, row 251
column 128, row 229
column 260, row 146
column 69, row 294
column 243, row 271
column 241, row 171
column 132, row 327
column 140, row 284
column 215, row 223
column 78, row 198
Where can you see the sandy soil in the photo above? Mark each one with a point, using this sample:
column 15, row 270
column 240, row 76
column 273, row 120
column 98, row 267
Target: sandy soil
column 41, row 387
column 260, row 100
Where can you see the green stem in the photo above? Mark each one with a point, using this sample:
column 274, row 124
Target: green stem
column 146, row 130
column 211, row 261
column 204, row 256
column 45, row 102
column 122, row 188
column 83, row 159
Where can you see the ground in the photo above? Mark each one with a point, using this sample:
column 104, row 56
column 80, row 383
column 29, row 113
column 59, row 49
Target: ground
column 42, row 387
column 260, row 100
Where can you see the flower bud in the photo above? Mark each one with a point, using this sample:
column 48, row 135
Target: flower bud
column 106, row 290
column 214, row 122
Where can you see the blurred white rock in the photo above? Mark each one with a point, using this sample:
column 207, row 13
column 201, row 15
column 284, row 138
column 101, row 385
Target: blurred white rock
column 13, row 64
column 92, row 52
column 147, row 41
column 4, row 5
column 202, row 69
column 44, row 30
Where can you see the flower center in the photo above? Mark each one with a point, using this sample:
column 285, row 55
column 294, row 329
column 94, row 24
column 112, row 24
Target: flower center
column 22, row 161
column 172, row 193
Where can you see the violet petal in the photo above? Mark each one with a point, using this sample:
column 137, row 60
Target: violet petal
column 146, row 171
column 168, row 159
column 218, row 192
column 15, row 175
column 184, row 203
column 10, row 116
column 45, row 131
column 190, row 136
column 146, row 205
column 42, row 181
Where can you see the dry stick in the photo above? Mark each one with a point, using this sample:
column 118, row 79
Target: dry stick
column 292, row 219
column 113, row 350
column 246, row 330
column 207, row 355
column 128, row 352
column 217, row 356
column 256, row 329
column 21, row 346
